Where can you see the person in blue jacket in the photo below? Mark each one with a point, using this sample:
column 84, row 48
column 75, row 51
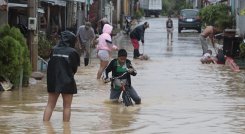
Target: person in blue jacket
column 62, row 66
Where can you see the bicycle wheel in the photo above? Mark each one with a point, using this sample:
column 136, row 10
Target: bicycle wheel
column 127, row 99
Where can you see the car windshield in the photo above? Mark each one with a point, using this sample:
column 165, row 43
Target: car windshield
column 189, row 13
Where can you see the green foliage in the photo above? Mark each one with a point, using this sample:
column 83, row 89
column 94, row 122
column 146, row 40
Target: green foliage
column 44, row 46
column 242, row 50
column 139, row 13
column 14, row 55
column 242, row 12
column 173, row 7
column 217, row 15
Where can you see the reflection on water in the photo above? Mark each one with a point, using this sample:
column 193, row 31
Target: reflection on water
column 65, row 128
column 179, row 95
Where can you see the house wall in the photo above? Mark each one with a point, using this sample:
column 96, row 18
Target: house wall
column 3, row 18
column 240, row 20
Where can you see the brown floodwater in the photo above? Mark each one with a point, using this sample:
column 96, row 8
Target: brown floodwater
column 179, row 95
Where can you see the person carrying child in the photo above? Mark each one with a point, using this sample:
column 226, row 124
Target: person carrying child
column 122, row 70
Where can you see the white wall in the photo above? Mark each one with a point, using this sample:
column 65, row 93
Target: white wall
column 240, row 20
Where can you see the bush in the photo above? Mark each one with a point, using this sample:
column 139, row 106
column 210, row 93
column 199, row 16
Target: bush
column 139, row 13
column 217, row 15
column 44, row 46
column 242, row 50
column 14, row 55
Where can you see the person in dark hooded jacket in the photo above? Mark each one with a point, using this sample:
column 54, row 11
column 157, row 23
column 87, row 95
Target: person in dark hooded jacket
column 62, row 66
column 121, row 69
column 138, row 35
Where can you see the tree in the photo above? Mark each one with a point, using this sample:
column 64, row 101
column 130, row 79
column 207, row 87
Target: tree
column 14, row 55
column 218, row 15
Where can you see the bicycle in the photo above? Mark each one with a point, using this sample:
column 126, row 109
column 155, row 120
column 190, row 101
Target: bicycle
column 127, row 100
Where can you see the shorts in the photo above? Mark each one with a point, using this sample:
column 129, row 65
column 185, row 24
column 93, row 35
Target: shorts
column 104, row 55
column 170, row 30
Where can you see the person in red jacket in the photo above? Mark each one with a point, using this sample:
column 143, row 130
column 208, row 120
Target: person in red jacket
column 138, row 35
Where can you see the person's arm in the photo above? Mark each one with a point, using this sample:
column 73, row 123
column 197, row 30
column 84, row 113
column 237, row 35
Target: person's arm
column 142, row 34
column 109, row 43
column 74, row 60
column 108, row 69
column 212, row 41
column 92, row 35
column 78, row 38
column 211, row 37
column 131, row 69
column 172, row 23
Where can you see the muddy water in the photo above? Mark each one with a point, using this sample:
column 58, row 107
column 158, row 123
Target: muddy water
column 179, row 95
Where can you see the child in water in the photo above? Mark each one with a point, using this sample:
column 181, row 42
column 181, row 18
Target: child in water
column 207, row 57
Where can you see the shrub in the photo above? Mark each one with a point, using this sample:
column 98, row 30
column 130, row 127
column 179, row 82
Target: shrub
column 217, row 15
column 14, row 55
column 242, row 50
column 139, row 13
column 44, row 46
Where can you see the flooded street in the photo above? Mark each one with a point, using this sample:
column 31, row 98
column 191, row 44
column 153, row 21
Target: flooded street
column 179, row 95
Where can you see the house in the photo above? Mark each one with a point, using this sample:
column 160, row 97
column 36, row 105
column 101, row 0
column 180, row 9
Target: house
column 238, row 5
column 3, row 12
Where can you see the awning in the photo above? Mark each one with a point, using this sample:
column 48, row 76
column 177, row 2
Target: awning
column 214, row 1
column 13, row 5
column 16, row 5
column 78, row 0
column 56, row 2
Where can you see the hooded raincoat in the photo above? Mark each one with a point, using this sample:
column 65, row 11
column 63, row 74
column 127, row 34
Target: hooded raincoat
column 62, row 65
column 105, row 41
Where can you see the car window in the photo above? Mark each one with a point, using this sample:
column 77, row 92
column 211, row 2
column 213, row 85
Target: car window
column 189, row 13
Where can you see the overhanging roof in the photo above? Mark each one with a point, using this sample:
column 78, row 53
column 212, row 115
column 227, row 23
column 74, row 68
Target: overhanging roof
column 55, row 2
column 16, row 5
column 78, row 0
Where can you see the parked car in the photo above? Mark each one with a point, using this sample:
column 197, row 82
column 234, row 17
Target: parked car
column 189, row 19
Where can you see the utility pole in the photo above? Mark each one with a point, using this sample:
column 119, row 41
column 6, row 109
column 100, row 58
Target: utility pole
column 32, row 39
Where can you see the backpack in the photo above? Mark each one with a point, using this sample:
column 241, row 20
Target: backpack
column 169, row 24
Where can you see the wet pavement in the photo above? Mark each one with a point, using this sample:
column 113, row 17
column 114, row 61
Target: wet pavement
column 179, row 95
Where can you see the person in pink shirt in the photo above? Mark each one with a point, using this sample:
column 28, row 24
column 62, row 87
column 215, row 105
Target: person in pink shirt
column 104, row 48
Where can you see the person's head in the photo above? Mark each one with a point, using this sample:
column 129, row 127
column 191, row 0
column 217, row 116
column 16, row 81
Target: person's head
column 68, row 39
column 146, row 25
column 87, row 25
column 220, row 52
column 122, row 55
column 169, row 17
column 107, row 28
column 209, row 51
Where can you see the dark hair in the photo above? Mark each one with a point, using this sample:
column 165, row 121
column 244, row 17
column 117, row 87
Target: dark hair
column 209, row 51
column 122, row 52
column 146, row 24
